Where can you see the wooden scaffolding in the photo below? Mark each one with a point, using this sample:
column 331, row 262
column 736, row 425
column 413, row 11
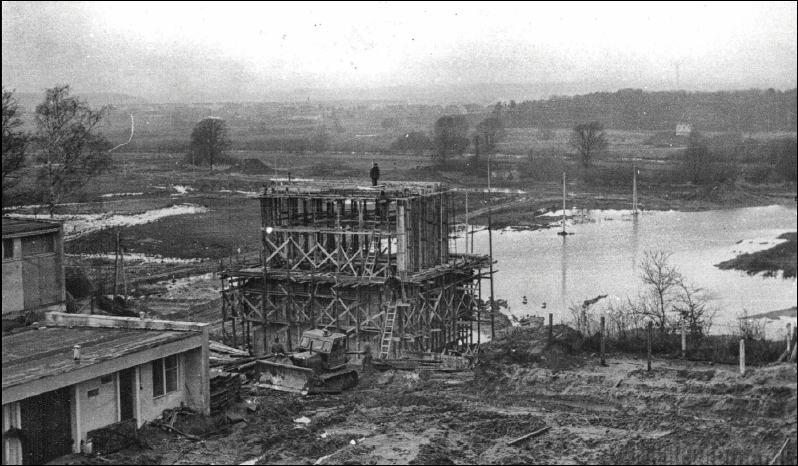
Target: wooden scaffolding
column 372, row 261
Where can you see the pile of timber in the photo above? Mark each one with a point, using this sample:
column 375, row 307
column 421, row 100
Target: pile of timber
column 225, row 388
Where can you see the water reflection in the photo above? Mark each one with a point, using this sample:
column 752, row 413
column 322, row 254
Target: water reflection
column 564, row 282
column 602, row 255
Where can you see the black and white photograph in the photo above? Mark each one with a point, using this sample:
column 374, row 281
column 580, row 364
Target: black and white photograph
column 400, row 233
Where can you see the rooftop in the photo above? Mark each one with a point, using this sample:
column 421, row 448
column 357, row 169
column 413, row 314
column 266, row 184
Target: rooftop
column 46, row 352
column 13, row 226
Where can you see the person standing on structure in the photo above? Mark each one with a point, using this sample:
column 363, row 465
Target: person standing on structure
column 277, row 347
column 375, row 174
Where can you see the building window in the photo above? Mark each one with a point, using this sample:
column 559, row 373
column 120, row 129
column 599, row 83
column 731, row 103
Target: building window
column 164, row 375
column 106, row 379
column 8, row 248
column 39, row 244
column 93, row 393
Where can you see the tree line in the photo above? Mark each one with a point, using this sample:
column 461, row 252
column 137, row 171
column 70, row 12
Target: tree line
column 632, row 109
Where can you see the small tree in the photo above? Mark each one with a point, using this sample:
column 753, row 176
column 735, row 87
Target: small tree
column 588, row 139
column 209, row 141
column 662, row 282
column 451, row 136
column 73, row 151
column 490, row 131
column 15, row 142
column 692, row 303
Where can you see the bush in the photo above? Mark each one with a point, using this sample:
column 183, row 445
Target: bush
column 77, row 283
column 543, row 165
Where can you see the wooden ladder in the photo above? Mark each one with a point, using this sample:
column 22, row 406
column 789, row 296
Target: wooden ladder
column 387, row 331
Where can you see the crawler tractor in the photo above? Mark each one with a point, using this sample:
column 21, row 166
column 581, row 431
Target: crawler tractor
column 319, row 367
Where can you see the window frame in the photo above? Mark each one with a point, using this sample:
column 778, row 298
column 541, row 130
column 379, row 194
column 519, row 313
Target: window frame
column 161, row 371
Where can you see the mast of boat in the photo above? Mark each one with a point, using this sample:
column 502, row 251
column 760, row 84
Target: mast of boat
column 634, row 191
column 563, row 233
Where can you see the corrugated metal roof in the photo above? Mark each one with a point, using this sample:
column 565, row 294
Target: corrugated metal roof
column 36, row 354
column 20, row 226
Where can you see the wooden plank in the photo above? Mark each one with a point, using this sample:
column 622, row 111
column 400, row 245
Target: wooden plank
column 530, row 435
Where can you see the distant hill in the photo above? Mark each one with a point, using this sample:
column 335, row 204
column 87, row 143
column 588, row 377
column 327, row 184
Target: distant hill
column 633, row 109
column 29, row 100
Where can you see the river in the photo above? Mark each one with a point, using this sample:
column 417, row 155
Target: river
column 602, row 256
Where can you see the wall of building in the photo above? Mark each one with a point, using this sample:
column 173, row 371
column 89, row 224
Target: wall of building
column 99, row 410
column 34, row 280
column 189, row 387
column 13, row 299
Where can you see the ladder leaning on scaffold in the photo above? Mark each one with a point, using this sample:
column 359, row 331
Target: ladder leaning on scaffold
column 387, row 331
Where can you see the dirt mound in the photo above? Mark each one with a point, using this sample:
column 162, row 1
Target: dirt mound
column 531, row 346
column 251, row 167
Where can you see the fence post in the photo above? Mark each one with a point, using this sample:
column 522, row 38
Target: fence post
column 789, row 337
column 684, row 339
column 603, row 358
column 551, row 327
column 650, row 324
column 742, row 356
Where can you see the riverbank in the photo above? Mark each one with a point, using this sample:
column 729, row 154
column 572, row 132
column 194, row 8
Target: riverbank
column 524, row 210
column 780, row 258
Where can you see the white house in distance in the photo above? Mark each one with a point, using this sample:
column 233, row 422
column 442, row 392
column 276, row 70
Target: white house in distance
column 683, row 129
column 77, row 373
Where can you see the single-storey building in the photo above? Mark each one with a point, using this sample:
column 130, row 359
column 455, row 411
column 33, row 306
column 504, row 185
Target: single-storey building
column 77, row 373
column 33, row 272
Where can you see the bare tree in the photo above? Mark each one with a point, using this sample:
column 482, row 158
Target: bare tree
column 693, row 304
column 587, row 139
column 73, row 151
column 662, row 282
column 15, row 142
column 209, row 141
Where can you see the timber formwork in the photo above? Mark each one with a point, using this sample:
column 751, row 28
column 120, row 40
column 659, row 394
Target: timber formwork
column 372, row 261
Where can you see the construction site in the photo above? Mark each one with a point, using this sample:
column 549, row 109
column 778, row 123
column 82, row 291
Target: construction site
column 374, row 262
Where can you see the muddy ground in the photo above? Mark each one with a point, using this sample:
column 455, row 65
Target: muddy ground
column 614, row 414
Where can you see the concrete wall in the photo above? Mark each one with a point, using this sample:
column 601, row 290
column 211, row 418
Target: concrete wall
column 189, row 387
column 13, row 298
column 101, row 410
column 35, row 282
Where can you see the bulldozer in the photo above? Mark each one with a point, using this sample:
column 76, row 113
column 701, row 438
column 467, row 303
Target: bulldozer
column 320, row 366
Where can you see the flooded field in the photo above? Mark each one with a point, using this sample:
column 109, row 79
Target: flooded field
column 602, row 254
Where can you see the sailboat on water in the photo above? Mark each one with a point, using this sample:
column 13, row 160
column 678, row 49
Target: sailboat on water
column 563, row 232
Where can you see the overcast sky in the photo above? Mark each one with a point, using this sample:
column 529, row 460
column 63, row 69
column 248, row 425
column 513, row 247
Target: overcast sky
column 232, row 51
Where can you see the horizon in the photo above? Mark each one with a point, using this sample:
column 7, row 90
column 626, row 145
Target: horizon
column 219, row 52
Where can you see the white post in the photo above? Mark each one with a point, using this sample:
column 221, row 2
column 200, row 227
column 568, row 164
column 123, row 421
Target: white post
column 684, row 338
column 742, row 356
